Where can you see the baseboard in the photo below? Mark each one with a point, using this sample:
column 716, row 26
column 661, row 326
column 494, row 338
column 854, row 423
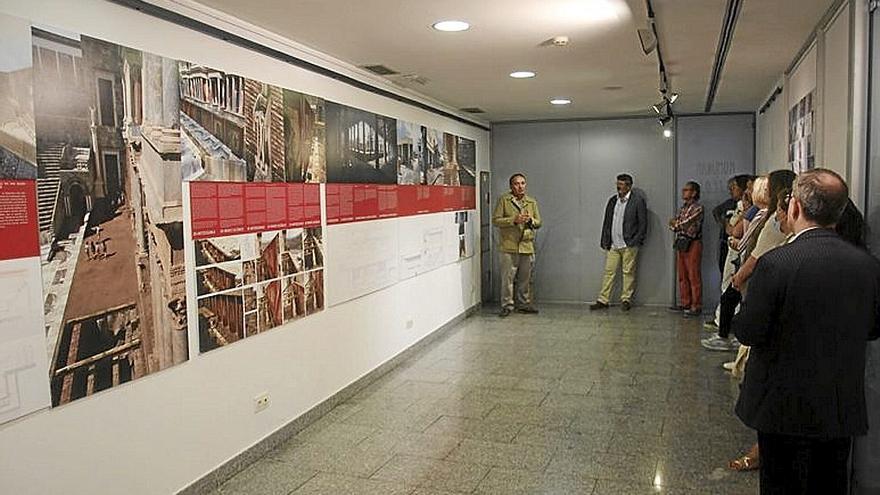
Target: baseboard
column 211, row 481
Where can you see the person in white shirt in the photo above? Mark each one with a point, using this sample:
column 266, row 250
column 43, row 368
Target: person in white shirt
column 623, row 232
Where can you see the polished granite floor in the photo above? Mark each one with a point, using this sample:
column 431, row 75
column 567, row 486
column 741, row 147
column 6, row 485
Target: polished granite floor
column 565, row 402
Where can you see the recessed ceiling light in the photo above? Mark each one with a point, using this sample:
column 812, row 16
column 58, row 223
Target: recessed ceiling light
column 451, row 26
column 667, row 133
column 522, row 74
column 560, row 101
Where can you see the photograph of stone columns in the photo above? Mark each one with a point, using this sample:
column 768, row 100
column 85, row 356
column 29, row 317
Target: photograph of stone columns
column 434, row 157
column 305, row 137
column 221, row 320
column 361, row 146
column 410, row 153
column 233, row 126
column 18, row 143
column 107, row 124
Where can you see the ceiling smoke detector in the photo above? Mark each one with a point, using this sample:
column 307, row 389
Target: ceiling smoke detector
column 559, row 41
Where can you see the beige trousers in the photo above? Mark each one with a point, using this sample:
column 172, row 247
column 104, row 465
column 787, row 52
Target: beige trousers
column 613, row 259
column 516, row 276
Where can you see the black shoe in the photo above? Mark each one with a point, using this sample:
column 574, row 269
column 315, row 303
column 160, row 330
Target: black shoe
column 598, row 305
column 505, row 312
column 696, row 313
column 625, row 306
column 527, row 310
column 676, row 309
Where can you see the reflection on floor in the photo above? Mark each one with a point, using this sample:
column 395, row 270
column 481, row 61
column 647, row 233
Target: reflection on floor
column 564, row 402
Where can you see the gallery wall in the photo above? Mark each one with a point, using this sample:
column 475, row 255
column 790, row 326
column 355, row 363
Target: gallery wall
column 571, row 169
column 710, row 150
column 182, row 422
column 816, row 119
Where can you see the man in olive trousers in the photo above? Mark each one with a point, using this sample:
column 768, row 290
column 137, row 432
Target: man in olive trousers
column 623, row 232
column 517, row 218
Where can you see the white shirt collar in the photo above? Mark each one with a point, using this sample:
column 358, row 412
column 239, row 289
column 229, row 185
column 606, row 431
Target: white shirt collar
column 625, row 198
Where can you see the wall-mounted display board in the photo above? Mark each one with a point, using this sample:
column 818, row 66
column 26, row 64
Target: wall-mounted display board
column 149, row 206
column 801, row 138
column 23, row 358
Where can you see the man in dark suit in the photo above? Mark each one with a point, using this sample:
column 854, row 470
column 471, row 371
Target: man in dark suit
column 623, row 232
column 812, row 306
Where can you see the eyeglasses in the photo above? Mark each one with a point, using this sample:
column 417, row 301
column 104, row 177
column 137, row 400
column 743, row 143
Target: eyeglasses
column 788, row 197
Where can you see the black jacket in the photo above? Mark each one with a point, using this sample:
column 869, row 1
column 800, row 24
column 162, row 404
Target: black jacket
column 635, row 221
column 811, row 307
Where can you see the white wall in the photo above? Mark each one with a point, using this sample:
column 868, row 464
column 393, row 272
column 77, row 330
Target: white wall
column 836, row 121
column 162, row 432
column 771, row 134
column 833, row 69
column 571, row 167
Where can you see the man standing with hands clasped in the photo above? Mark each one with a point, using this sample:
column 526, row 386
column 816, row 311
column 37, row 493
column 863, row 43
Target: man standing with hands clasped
column 517, row 218
column 623, row 232
column 812, row 306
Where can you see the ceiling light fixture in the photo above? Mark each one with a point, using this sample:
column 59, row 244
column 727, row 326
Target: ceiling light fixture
column 560, row 101
column 667, row 133
column 451, row 26
column 522, row 74
column 673, row 97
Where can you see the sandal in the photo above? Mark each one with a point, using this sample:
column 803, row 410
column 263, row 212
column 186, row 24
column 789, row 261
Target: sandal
column 744, row 463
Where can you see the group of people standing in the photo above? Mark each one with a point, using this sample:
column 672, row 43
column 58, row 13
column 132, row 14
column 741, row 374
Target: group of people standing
column 800, row 300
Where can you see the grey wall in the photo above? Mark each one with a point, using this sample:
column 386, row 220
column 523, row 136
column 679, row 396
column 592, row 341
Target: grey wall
column 571, row 169
column 711, row 149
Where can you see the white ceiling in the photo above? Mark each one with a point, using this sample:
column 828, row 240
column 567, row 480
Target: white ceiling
column 470, row 69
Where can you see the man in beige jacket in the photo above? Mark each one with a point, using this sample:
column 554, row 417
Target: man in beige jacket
column 517, row 218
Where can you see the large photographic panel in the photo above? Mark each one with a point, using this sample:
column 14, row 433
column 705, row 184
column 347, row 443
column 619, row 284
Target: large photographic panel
column 361, row 146
column 107, row 122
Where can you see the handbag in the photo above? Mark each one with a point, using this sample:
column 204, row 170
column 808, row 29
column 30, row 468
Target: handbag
column 681, row 243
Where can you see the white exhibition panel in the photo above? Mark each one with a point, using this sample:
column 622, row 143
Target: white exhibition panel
column 24, row 387
column 171, row 420
column 803, row 78
column 361, row 258
column 367, row 256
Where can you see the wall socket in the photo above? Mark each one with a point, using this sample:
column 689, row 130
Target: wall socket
column 261, row 402
column 409, row 322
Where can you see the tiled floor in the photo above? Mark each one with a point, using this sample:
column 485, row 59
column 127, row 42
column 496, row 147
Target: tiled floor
column 565, row 402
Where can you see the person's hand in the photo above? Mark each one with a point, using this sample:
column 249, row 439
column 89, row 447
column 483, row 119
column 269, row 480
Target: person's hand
column 521, row 218
column 732, row 242
column 671, row 223
column 737, row 281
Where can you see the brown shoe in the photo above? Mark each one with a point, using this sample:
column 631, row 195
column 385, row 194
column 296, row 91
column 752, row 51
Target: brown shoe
column 528, row 310
column 625, row 306
column 598, row 305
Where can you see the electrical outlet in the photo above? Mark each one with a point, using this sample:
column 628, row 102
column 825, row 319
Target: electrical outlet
column 261, row 402
column 409, row 322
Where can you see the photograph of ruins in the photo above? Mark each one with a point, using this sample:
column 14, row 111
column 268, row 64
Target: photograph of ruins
column 269, row 305
column 217, row 250
column 218, row 278
column 108, row 154
column 268, row 262
column 313, row 248
column 221, row 320
column 434, row 157
column 18, row 143
column 305, row 137
column 361, row 146
column 292, row 256
column 233, row 127
column 410, row 153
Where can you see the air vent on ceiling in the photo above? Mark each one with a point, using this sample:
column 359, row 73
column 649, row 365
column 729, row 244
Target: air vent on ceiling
column 380, row 70
column 473, row 110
